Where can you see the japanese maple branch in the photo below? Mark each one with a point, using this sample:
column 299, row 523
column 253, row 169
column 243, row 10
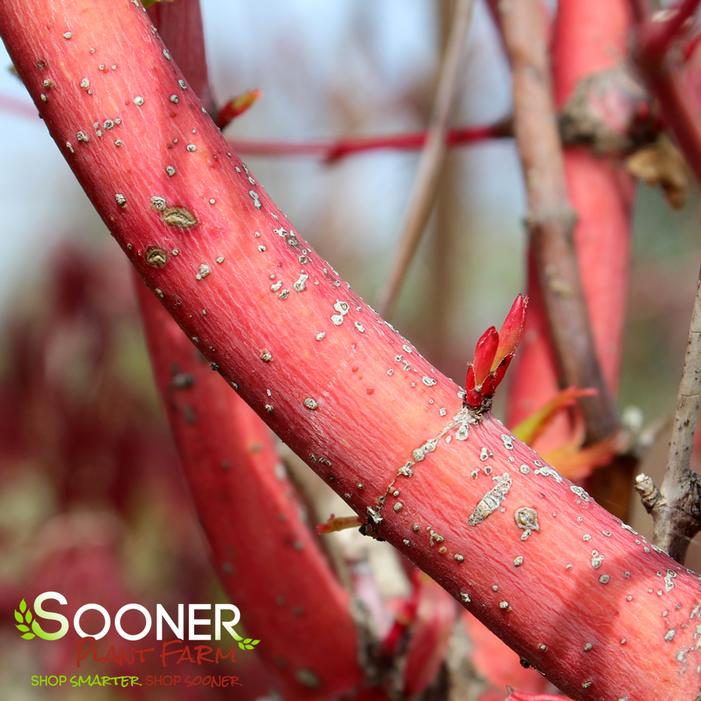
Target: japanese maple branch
column 550, row 218
column 432, row 156
column 450, row 488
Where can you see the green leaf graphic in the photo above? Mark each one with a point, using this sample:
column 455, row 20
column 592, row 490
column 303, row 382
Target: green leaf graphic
column 248, row 644
column 24, row 617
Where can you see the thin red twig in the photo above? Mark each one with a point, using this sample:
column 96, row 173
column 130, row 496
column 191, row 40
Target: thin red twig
column 334, row 150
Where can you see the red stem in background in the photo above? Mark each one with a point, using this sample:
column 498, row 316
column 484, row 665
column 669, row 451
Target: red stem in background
column 659, row 36
column 239, row 280
column 13, row 105
column 327, row 150
column 664, row 74
column 247, row 507
column 335, row 150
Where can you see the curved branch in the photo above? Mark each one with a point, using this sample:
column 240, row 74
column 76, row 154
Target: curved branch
column 243, row 499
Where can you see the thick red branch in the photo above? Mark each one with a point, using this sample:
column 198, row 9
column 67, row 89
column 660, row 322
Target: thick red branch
column 466, row 500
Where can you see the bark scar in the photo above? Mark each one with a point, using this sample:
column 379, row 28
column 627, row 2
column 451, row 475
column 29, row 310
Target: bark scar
column 460, row 423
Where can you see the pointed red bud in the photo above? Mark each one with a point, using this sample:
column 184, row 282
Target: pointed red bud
column 493, row 354
column 470, row 378
column 484, row 354
column 501, row 369
column 511, row 330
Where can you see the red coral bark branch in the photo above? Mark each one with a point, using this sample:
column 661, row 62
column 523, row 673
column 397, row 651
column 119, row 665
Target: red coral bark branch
column 253, row 522
column 345, row 391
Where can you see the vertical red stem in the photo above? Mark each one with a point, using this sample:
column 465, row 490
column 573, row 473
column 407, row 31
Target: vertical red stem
column 245, row 503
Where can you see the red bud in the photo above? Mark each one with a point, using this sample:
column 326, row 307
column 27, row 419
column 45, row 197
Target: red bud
column 493, row 354
column 484, row 354
column 511, row 330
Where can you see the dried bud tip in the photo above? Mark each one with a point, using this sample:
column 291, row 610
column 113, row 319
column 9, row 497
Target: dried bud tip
column 337, row 523
column 236, row 107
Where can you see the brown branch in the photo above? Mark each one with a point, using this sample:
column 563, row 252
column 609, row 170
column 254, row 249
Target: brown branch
column 432, row 156
column 676, row 507
column 550, row 218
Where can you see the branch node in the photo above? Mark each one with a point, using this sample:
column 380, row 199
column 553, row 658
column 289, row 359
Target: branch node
column 650, row 495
